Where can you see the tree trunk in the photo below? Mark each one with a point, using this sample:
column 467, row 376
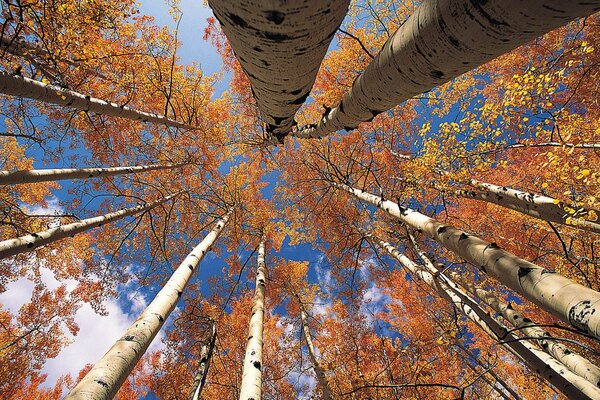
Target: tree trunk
column 572, row 385
column 14, row 85
column 319, row 372
column 203, row 365
column 251, row 387
column 280, row 46
column 106, row 377
column 554, row 293
column 26, row 243
column 48, row 175
column 440, row 41
column 535, row 205
column 575, row 362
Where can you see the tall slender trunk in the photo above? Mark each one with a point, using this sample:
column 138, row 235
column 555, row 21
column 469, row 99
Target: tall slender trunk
column 47, row 175
column 573, row 361
column 491, row 372
column 14, row 85
column 319, row 371
column 203, row 365
column 251, row 387
column 106, row 377
column 556, row 294
column 572, row 385
column 26, row 243
column 440, row 41
column 535, row 205
column 280, row 46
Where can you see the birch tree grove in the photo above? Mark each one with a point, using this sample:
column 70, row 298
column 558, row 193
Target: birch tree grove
column 422, row 178
column 107, row 376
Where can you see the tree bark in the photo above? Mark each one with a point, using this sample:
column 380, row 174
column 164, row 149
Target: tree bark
column 319, row 371
column 251, row 387
column 573, row 361
column 535, row 205
column 280, row 46
column 26, row 243
column 203, row 365
column 14, row 85
column 572, row 385
column 48, row 175
column 568, row 300
column 440, row 41
column 106, row 377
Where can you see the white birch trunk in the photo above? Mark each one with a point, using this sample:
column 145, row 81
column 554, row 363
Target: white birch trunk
column 319, row 371
column 106, row 377
column 26, row 243
column 251, row 387
column 573, row 361
column 48, row 175
column 203, row 365
column 535, row 205
column 572, row 385
column 568, row 300
column 440, row 41
column 14, row 85
column 280, row 46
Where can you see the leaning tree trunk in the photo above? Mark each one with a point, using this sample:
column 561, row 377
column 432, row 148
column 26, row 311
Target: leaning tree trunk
column 15, row 85
column 203, row 365
column 26, row 243
column 556, row 294
column 572, row 385
column 280, row 46
column 440, row 41
column 575, row 362
column 106, row 377
column 319, row 371
column 535, row 205
column 48, row 175
column 251, row 387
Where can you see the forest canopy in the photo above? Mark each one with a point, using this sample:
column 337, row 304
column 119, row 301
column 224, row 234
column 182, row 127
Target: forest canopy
column 361, row 200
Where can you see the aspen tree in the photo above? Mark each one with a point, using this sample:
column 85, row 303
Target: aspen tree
column 204, row 364
column 22, row 244
column 319, row 371
column 535, row 205
column 575, row 362
column 572, row 385
column 554, row 293
column 280, row 46
column 106, row 377
column 251, row 386
column 440, row 41
column 20, row 86
column 49, row 175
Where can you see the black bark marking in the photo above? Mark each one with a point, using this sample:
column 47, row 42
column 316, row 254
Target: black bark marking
column 101, row 383
column 436, row 74
column 191, row 267
column 128, row 338
column 237, row 20
column 275, row 16
column 30, row 245
column 441, row 229
column 257, row 365
column 524, row 271
column 580, row 314
column 463, row 236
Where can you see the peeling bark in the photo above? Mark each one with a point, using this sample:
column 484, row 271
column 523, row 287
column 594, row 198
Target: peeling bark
column 106, row 377
column 27, row 243
column 280, row 46
column 535, row 205
column 440, row 41
column 251, row 387
column 14, row 85
column 572, row 385
column 49, row 175
column 574, row 303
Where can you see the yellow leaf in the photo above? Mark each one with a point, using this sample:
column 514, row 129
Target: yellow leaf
column 544, row 185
